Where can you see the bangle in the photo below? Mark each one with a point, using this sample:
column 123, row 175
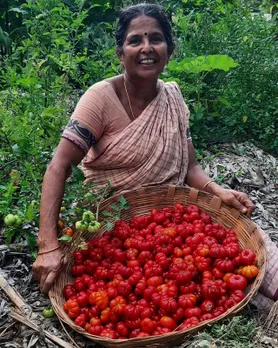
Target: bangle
column 207, row 183
column 48, row 251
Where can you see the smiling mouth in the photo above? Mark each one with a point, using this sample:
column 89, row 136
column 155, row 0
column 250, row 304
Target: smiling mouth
column 147, row 61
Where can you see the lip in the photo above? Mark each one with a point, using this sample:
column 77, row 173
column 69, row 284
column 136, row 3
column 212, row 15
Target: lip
column 155, row 61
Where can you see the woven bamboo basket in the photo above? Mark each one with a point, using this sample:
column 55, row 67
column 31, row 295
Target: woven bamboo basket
column 142, row 201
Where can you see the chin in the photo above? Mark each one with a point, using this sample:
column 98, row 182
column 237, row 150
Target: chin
column 147, row 75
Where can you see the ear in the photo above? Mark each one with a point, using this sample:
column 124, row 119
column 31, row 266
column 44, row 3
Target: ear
column 120, row 55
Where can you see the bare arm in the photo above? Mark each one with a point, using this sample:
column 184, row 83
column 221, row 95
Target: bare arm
column 47, row 266
column 197, row 178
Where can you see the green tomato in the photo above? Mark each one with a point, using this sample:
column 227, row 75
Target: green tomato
column 88, row 216
column 88, row 196
column 10, row 220
column 94, row 226
column 62, row 209
column 18, row 221
column 81, row 225
column 48, row 312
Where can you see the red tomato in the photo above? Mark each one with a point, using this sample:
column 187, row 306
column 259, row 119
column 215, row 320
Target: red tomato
column 72, row 308
column 78, row 258
column 79, row 284
column 193, row 312
column 207, row 306
column 69, row 291
column 192, row 208
column 122, row 329
column 247, row 257
column 168, row 323
column 108, row 333
column 155, row 281
column 124, row 288
column 187, row 301
column 236, row 282
column 188, row 323
column 78, row 270
column 148, row 325
column 95, row 330
column 82, row 299
column 224, row 265
column 95, row 321
column 169, row 304
column 81, row 320
column 131, row 312
column 211, row 290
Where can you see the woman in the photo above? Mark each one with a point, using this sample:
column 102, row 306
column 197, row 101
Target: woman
column 132, row 128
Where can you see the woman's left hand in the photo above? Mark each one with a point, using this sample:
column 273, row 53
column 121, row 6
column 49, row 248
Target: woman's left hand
column 237, row 200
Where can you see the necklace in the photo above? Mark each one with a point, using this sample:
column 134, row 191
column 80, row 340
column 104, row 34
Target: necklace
column 129, row 102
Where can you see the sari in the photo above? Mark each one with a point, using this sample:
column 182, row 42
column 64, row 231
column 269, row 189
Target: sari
column 150, row 150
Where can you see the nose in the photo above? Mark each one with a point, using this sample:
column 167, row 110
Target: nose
column 147, row 47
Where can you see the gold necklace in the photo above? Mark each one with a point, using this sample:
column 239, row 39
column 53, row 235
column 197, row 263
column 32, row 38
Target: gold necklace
column 129, row 102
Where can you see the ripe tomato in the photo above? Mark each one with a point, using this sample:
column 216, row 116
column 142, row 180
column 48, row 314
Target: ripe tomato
column 249, row 272
column 236, row 282
column 188, row 323
column 207, row 306
column 247, row 257
column 122, row 329
column 69, row 291
column 148, row 325
column 168, row 323
column 193, row 312
column 155, row 281
column 187, row 301
column 101, row 299
column 82, row 299
column 131, row 312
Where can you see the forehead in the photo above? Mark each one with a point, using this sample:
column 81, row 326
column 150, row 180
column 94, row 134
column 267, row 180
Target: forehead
column 143, row 24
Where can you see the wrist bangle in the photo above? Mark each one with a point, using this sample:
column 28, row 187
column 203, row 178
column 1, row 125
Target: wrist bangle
column 48, row 251
column 207, row 183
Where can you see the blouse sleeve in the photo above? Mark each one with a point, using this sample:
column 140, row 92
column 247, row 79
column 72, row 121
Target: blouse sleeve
column 88, row 121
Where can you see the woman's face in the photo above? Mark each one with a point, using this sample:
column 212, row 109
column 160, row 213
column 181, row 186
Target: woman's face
column 145, row 51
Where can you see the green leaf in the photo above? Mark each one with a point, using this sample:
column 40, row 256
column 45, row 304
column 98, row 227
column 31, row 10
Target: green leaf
column 66, row 238
column 244, row 118
column 115, row 207
column 77, row 173
column 107, row 213
column 109, row 52
column 9, row 235
column 30, row 212
column 123, row 202
column 224, row 101
column 109, row 225
column 203, row 63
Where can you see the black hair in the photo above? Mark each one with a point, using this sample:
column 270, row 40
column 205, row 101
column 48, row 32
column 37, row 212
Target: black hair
column 150, row 10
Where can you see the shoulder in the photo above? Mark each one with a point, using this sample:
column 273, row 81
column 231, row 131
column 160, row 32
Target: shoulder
column 173, row 86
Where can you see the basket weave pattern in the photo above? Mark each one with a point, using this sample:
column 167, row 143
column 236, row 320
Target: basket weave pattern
column 142, row 201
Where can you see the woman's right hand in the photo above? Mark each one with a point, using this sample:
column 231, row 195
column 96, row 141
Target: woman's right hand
column 47, row 268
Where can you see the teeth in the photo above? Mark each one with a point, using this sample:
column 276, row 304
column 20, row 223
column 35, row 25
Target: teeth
column 147, row 61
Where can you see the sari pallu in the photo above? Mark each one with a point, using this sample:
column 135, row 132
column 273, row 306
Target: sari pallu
column 151, row 149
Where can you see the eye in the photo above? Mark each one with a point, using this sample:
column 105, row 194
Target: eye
column 134, row 41
column 157, row 39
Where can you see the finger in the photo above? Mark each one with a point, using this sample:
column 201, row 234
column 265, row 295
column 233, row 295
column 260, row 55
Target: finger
column 44, row 276
column 243, row 198
column 36, row 273
column 234, row 202
column 49, row 281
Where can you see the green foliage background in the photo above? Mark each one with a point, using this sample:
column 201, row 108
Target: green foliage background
column 51, row 51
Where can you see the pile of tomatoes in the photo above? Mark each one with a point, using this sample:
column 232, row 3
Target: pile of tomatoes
column 169, row 270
